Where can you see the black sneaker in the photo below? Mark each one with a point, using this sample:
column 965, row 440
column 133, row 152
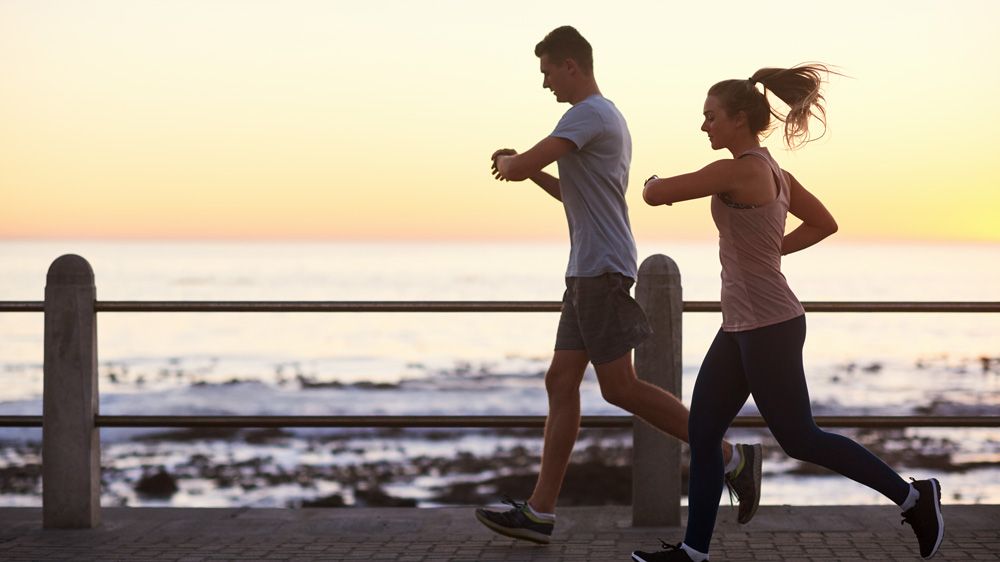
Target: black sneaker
column 925, row 517
column 670, row 553
column 518, row 523
column 744, row 482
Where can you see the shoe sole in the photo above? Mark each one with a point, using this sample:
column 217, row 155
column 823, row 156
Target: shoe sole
column 936, row 488
column 757, row 467
column 523, row 534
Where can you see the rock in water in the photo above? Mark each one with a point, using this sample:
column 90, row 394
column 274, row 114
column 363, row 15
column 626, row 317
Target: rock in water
column 159, row 485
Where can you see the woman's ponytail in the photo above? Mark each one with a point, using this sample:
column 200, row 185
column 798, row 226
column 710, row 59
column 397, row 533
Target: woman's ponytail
column 798, row 87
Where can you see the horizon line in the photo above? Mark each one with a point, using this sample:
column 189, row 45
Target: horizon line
column 901, row 240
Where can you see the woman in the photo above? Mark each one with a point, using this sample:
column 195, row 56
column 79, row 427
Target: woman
column 758, row 350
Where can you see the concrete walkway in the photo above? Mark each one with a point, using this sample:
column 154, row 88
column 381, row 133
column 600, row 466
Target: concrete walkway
column 408, row 534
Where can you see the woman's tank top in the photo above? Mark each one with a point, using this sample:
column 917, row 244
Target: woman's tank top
column 754, row 291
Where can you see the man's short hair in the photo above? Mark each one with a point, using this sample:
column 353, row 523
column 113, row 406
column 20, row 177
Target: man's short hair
column 566, row 43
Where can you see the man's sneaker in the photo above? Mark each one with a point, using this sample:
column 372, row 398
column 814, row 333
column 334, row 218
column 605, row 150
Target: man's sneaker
column 518, row 523
column 744, row 482
column 670, row 553
column 925, row 517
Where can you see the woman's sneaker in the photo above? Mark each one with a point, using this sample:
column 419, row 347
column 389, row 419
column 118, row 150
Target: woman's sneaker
column 670, row 553
column 744, row 482
column 925, row 517
column 517, row 523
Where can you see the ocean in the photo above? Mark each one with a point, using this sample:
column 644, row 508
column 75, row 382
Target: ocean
column 468, row 364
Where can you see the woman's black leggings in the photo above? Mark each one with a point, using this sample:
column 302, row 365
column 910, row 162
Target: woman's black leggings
column 767, row 363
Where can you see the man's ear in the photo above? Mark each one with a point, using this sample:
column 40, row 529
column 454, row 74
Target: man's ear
column 571, row 66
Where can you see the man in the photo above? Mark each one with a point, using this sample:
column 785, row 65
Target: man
column 600, row 322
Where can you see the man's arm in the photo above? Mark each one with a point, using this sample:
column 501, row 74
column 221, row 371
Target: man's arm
column 549, row 183
column 510, row 166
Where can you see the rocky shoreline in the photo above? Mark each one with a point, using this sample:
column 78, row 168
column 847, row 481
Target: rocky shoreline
column 459, row 478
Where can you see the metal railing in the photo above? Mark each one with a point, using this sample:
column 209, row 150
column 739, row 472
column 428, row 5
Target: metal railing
column 70, row 420
column 483, row 422
column 482, row 306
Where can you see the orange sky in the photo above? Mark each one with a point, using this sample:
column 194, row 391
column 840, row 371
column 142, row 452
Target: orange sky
column 241, row 119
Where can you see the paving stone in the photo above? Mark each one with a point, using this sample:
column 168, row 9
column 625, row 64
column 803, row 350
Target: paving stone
column 812, row 534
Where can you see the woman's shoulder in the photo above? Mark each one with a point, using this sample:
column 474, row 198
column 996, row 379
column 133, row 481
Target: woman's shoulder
column 753, row 181
column 748, row 168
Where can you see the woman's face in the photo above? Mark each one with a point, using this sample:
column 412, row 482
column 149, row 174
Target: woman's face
column 718, row 124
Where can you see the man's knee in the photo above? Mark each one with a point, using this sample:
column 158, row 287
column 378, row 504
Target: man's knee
column 618, row 381
column 565, row 373
column 618, row 394
column 559, row 384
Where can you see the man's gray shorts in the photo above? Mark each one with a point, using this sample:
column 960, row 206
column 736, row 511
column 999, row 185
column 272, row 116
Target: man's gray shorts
column 599, row 316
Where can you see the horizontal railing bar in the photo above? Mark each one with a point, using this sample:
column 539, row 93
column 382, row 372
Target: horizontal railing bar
column 22, row 306
column 329, row 306
column 504, row 306
column 871, row 306
column 20, row 421
column 353, row 421
column 877, row 422
column 481, row 306
column 529, row 421
column 885, row 422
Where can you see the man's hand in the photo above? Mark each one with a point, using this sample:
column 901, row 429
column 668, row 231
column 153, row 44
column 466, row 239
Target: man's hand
column 503, row 152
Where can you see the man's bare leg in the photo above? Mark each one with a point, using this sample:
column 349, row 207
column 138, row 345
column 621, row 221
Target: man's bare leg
column 562, row 383
column 620, row 386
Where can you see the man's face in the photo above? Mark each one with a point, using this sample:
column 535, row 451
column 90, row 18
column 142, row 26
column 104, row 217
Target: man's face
column 556, row 77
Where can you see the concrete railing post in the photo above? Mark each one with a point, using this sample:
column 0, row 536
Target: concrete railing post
column 656, row 458
column 71, row 468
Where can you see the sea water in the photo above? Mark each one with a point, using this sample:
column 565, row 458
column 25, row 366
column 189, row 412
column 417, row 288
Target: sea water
column 472, row 363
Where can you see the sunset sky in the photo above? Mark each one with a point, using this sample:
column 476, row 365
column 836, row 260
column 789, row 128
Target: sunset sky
column 354, row 120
